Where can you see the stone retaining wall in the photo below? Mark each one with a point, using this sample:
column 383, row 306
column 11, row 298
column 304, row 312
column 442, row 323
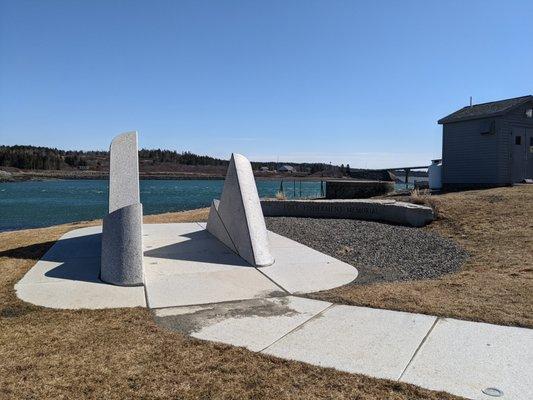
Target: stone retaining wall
column 350, row 189
column 390, row 211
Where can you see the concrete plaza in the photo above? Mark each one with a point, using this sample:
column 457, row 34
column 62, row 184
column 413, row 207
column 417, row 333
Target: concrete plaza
column 183, row 265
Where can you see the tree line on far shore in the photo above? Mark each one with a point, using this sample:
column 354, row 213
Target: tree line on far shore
column 45, row 158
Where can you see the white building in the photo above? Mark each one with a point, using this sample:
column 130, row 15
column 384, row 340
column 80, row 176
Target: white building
column 286, row 169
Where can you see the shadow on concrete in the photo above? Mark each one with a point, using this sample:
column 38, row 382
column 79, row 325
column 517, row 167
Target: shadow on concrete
column 79, row 258
column 88, row 246
column 77, row 269
column 31, row 252
column 202, row 247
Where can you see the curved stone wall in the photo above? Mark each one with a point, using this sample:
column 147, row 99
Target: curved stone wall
column 391, row 211
column 122, row 247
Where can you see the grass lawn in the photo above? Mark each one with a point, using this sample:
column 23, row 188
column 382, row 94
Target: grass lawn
column 122, row 353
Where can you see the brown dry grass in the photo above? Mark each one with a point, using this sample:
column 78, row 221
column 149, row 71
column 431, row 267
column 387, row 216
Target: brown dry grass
column 184, row 216
column 123, row 354
column 496, row 283
column 424, row 197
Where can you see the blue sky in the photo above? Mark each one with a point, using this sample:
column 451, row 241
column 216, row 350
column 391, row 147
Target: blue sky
column 335, row 81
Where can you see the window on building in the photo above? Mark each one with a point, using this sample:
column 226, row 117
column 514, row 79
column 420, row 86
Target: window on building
column 518, row 140
column 487, row 127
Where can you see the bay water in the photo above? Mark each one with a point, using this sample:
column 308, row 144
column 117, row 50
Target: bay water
column 33, row 204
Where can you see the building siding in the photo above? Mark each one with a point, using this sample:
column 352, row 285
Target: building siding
column 469, row 158
column 516, row 117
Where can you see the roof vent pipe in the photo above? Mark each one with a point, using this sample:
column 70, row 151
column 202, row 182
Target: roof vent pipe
column 470, row 101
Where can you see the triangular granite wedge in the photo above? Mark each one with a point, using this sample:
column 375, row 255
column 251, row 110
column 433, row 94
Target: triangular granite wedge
column 237, row 220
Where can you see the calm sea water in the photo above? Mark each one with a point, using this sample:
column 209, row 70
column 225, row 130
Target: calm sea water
column 44, row 203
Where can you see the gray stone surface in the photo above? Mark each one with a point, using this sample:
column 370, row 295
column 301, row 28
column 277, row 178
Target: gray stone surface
column 353, row 189
column 239, row 215
column 123, row 171
column 464, row 358
column 217, row 227
column 122, row 228
column 122, row 254
column 390, row 211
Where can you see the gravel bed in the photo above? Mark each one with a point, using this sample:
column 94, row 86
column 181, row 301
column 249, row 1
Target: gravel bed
column 380, row 252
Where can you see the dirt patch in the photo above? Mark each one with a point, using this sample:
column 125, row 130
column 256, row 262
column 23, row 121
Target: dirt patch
column 203, row 316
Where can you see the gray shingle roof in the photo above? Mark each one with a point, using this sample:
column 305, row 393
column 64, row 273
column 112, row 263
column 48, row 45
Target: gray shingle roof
column 484, row 110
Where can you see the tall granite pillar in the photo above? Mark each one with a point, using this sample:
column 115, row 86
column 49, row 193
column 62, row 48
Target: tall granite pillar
column 237, row 219
column 122, row 255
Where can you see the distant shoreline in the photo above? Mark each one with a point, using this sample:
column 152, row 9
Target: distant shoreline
column 17, row 175
column 24, row 176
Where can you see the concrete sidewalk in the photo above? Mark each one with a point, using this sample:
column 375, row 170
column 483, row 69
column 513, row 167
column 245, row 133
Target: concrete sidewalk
column 470, row 359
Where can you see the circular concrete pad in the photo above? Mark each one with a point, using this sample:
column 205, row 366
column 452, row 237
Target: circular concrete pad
column 183, row 265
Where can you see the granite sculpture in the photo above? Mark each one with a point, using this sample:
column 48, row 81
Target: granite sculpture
column 237, row 219
column 122, row 255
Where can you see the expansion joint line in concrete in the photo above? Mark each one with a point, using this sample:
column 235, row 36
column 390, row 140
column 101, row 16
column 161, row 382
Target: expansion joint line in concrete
column 145, row 291
column 318, row 314
column 418, row 348
column 273, row 281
